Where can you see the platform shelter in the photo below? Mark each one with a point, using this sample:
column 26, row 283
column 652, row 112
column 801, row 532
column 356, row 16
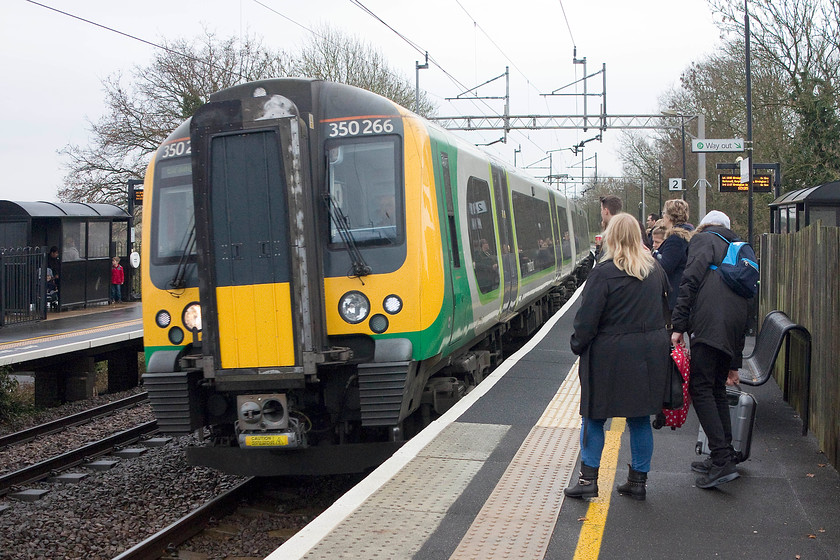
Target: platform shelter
column 87, row 235
column 797, row 210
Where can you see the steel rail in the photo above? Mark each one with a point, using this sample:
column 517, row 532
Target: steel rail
column 70, row 421
column 72, row 458
column 190, row 525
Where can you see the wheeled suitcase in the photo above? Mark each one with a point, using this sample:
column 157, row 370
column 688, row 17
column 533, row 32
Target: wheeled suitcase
column 742, row 416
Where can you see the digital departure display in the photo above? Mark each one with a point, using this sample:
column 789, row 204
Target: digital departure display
column 732, row 183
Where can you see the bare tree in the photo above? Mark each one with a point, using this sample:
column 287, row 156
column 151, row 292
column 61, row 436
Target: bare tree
column 157, row 99
column 798, row 41
column 339, row 57
column 143, row 109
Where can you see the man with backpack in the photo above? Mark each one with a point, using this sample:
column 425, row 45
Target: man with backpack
column 715, row 317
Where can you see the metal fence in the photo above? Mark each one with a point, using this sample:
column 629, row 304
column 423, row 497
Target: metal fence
column 800, row 275
column 23, row 285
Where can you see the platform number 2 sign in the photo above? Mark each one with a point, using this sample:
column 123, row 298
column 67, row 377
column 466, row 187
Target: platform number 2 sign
column 675, row 184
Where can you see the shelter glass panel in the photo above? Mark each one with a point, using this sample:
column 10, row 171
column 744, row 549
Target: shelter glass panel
column 828, row 215
column 13, row 234
column 98, row 239
column 75, row 241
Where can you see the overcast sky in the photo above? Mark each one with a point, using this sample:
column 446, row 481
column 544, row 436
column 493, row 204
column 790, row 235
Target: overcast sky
column 52, row 65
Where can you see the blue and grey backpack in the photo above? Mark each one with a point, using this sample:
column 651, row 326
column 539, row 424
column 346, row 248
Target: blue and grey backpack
column 739, row 268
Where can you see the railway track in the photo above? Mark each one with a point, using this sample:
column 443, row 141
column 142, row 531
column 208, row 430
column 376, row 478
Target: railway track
column 43, row 469
column 54, row 426
column 166, row 540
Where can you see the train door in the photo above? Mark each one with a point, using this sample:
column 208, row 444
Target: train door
column 555, row 227
column 262, row 308
column 507, row 246
column 455, row 278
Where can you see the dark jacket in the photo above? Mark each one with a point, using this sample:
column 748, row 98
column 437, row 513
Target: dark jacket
column 672, row 256
column 707, row 308
column 620, row 335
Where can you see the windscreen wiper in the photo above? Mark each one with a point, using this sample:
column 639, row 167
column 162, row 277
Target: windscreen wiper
column 177, row 281
column 360, row 267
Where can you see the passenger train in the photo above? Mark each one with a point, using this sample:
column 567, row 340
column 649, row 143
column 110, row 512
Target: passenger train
column 324, row 271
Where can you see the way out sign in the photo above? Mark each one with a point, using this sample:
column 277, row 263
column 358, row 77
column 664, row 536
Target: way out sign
column 717, row 145
column 675, row 184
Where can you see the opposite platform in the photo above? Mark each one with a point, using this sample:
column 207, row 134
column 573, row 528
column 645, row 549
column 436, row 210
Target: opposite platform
column 70, row 331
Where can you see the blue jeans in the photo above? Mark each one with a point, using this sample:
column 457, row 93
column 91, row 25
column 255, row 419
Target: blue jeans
column 641, row 442
column 116, row 292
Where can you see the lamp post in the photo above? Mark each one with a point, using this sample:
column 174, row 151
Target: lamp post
column 701, row 157
column 674, row 113
column 417, row 68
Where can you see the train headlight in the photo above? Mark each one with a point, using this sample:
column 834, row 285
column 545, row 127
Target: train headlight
column 192, row 316
column 379, row 323
column 392, row 304
column 163, row 318
column 354, row 307
column 176, row 335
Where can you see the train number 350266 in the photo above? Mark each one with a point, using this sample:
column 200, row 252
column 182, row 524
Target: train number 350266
column 364, row 126
column 176, row 149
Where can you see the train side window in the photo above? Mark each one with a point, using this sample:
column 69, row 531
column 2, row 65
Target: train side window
column 364, row 178
column 482, row 232
column 173, row 201
column 565, row 243
column 450, row 209
column 533, row 233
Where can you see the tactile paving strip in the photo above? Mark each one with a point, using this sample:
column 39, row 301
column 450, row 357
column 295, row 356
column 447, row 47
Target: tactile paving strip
column 428, row 486
column 377, row 534
column 519, row 516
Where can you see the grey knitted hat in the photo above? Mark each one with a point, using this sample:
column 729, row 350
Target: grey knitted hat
column 716, row 217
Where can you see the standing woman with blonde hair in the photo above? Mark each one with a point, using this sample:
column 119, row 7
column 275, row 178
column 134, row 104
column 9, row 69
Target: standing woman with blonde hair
column 672, row 254
column 621, row 337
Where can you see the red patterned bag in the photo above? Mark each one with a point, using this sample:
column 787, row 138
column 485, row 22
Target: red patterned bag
column 675, row 418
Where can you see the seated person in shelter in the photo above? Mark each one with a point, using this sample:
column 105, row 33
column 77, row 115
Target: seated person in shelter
column 71, row 253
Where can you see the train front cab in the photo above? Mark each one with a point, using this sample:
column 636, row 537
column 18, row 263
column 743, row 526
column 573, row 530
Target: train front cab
column 318, row 289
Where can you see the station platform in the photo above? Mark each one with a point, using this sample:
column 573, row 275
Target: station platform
column 485, row 481
column 71, row 331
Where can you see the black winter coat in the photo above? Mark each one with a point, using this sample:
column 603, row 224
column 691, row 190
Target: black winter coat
column 707, row 308
column 672, row 255
column 624, row 347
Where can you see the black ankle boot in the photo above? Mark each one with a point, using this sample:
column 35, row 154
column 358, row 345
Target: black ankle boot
column 587, row 486
column 635, row 485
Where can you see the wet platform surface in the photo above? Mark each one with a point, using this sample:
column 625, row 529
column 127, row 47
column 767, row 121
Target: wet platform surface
column 485, row 481
column 70, row 331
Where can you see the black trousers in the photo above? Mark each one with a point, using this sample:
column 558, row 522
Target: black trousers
column 709, row 370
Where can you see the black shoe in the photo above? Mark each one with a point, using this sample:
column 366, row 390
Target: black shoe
column 703, row 466
column 717, row 475
column 587, row 486
column 635, row 485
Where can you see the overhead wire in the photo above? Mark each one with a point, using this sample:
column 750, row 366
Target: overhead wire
column 357, row 3
column 135, row 38
column 414, row 45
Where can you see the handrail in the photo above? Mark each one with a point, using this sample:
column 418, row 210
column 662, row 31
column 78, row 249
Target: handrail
column 779, row 322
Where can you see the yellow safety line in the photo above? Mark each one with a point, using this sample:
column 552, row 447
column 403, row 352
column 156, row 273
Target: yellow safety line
column 592, row 531
column 67, row 334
